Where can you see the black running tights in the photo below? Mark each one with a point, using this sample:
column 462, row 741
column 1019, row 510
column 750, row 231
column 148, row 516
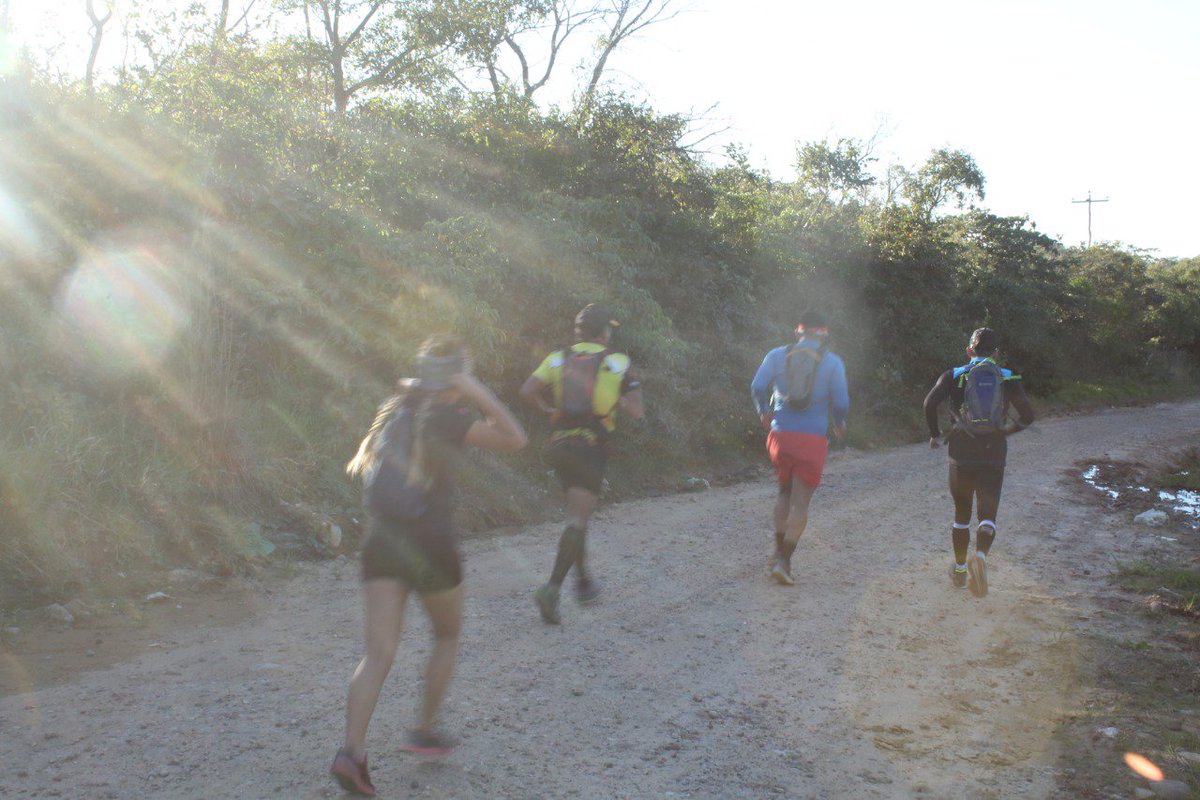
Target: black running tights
column 980, row 485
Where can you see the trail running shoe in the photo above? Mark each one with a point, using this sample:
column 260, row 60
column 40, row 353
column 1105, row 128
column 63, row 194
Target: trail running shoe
column 428, row 743
column 352, row 775
column 781, row 570
column 587, row 591
column 977, row 580
column 958, row 576
column 546, row 599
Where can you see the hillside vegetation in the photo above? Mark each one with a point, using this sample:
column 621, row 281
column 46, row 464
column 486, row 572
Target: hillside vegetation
column 209, row 277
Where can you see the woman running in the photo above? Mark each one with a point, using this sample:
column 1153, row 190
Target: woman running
column 407, row 461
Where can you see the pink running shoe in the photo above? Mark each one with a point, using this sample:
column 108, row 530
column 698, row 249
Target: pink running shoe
column 428, row 743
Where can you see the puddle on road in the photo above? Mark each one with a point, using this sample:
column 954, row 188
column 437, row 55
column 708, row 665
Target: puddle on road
column 1183, row 501
column 1108, row 479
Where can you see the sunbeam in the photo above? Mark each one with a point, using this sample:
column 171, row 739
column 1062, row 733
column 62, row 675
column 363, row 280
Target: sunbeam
column 120, row 308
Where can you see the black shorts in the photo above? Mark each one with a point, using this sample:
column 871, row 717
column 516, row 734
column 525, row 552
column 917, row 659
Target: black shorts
column 421, row 555
column 578, row 463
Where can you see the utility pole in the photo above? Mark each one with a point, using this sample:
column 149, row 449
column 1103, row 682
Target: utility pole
column 1089, row 202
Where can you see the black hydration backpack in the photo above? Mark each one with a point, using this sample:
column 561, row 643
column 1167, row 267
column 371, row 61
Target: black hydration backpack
column 387, row 489
column 579, row 371
column 982, row 409
column 801, row 374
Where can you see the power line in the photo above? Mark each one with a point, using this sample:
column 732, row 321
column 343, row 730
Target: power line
column 1089, row 202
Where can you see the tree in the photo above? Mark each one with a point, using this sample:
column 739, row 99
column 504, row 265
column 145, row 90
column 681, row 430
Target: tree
column 624, row 18
column 1176, row 316
column 550, row 23
column 1111, row 293
column 165, row 34
column 388, row 44
column 946, row 174
column 534, row 33
column 98, row 23
column 223, row 27
column 838, row 169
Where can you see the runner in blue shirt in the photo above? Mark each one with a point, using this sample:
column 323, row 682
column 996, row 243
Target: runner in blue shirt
column 798, row 441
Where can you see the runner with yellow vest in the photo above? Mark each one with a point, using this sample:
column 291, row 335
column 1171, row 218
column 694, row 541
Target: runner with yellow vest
column 580, row 388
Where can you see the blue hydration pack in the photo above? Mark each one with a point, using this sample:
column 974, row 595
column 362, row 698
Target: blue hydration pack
column 982, row 411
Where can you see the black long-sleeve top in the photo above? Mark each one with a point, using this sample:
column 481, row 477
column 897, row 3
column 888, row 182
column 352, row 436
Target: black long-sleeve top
column 986, row 450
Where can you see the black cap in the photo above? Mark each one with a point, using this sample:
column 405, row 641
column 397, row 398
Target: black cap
column 812, row 322
column 592, row 319
column 984, row 341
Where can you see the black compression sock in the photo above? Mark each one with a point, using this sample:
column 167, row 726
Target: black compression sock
column 961, row 539
column 581, row 559
column 569, row 546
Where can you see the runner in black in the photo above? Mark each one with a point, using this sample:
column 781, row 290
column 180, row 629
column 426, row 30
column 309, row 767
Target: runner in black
column 976, row 460
column 581, row 388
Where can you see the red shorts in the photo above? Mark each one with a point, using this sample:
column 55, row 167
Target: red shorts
column 798, row 454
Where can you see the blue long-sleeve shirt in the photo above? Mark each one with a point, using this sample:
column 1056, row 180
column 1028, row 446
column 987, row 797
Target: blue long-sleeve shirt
column 830, row 394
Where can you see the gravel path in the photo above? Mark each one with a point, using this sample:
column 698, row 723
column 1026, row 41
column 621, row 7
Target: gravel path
column 695, row 676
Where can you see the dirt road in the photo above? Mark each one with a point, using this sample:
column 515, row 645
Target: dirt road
column 694, row 677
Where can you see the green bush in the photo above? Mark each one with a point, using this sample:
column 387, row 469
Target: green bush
column 286, row 261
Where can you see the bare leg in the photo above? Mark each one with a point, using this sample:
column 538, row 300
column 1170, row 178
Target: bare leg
column 445, row 612
column 385, row 600
column 797, row 518
column 783, row 504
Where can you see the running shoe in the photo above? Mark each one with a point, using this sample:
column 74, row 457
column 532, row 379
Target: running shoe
column 977, row 580
column 958, row 576
column 546, row 599
column 781, row 570
column 428, row 743
column 587, row 591
column 352, row 775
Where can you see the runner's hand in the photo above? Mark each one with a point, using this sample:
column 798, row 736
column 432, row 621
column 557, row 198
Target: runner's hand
column 934, row 442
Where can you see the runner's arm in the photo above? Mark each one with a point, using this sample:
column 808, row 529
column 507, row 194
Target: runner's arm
column 632, row 405
column 760, row 387
column 939, row 392
column 499, row 430
column 840, row 399
column 533, row 393
column 630, row 401
column 1015, row 393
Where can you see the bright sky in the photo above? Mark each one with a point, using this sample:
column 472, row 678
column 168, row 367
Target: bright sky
column 1052, row 98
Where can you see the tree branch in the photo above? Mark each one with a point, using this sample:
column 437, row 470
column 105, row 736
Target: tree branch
column 98, row 24
column 357, row 31
column 648, row 13
column 242, row 18
column 384, row 73
column 512, row 44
